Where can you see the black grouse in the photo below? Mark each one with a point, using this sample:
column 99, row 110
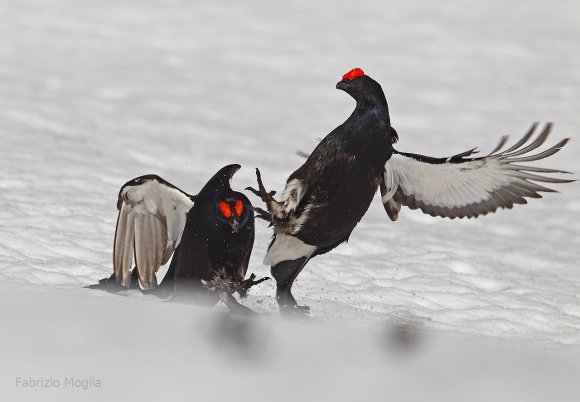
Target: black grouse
column 210, row 236
column 327, row 196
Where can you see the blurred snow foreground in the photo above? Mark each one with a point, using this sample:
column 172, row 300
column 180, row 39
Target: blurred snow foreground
column 138, row 350
column 95, row 93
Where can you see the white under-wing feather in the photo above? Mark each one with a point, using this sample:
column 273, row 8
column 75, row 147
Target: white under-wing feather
column 459, row 186
column 152, row 215
column 286, row 247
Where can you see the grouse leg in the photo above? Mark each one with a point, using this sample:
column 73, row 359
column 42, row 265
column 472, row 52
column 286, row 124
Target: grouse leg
column 285, row 273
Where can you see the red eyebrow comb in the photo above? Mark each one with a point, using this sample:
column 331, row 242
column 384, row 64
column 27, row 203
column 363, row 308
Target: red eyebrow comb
column 225, row 209
column 352, row 74
column 239, row 207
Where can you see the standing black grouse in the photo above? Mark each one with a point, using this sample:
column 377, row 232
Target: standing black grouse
column 210, row 236
column 328, row 195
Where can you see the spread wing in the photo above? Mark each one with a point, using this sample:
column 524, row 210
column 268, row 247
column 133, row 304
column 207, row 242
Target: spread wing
column 459, row 186
column 152, row 215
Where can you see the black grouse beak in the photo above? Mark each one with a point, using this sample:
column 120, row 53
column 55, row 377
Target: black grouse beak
column 343, row 85
column 235, row 226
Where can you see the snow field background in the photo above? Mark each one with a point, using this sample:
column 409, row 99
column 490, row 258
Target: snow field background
column 96, row 93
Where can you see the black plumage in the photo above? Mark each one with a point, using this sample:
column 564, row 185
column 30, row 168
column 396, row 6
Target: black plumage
column 210, row 235
column 327, row 196
column 343, row 172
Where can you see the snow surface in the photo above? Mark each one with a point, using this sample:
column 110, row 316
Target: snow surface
column 95, row 93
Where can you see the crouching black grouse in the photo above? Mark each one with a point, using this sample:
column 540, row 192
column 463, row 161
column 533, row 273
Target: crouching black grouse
column 210, row 236
column 328, row 195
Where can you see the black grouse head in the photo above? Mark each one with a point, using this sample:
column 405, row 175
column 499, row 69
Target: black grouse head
column 232, row 209
column 229, row 210
column 361, row 87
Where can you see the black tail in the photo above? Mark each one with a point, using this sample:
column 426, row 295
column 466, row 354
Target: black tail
column 221, row 179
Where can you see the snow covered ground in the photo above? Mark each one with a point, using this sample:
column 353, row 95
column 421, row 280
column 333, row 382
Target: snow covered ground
column 95, row 93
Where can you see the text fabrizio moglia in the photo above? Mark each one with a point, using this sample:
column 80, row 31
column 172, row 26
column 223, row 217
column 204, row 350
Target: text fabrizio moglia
column 52, row 382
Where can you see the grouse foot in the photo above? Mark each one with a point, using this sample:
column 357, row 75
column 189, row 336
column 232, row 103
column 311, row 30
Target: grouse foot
column 112, row 285
column 224, row 288
column 242, row 287
column 288, row 305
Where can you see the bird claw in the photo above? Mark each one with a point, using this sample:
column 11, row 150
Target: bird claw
column 304, row 310
column 258, row 193
column 267, row 197
column 109, row 284
column 296, row 311
column 112, row 285
column 260, row 213
column 242, row 287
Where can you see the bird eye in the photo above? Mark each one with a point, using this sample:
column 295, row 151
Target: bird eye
column 239, row 207
column 225, row 209
column 358, row 78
